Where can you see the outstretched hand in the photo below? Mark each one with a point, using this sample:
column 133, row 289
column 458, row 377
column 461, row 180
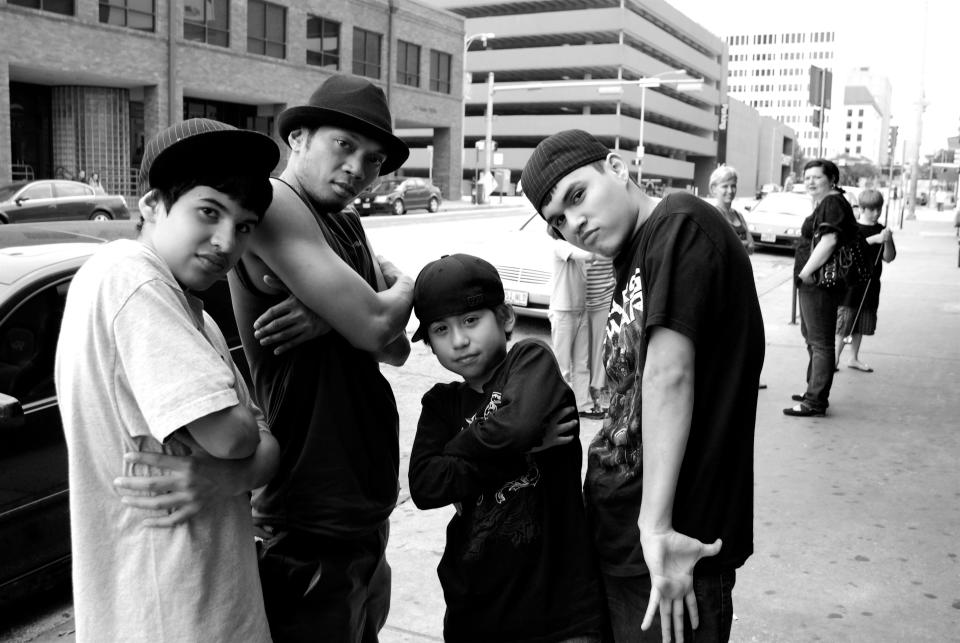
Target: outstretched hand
column 289, row 323
column 671, row 557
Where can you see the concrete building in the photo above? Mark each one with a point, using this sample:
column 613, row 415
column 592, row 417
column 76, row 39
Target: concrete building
column 760, row 148
column 771, row 73
column 594, row 40
column 84, row 82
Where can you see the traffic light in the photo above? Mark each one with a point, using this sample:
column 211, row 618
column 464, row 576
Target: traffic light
column 892, row 142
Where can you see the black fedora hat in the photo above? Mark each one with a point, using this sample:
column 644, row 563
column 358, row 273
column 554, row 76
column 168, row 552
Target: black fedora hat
column 352, row 103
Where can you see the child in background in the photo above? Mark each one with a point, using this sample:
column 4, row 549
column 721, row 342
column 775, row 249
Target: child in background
column 518, row 564
column 871, row 205
column 142, row 371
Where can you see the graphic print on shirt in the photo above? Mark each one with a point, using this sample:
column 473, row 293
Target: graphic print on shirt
column 507, row 517
column 617, row 445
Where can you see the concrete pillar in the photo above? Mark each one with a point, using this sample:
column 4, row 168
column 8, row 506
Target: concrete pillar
column 446, row 165
column 6, row 160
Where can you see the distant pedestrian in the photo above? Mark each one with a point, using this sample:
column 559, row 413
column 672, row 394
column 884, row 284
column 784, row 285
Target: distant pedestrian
column 670, row 474
column 865, row 299
column 831, row 224
column 94, row 182
column 518, row 564
column 941, row 199
column 569, row 325
column 723, row 189
column 82, row 176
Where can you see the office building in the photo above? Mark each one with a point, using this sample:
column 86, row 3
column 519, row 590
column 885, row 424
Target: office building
column 83, row 83
column 593, row 40
column 865, row 122
column 771, row 73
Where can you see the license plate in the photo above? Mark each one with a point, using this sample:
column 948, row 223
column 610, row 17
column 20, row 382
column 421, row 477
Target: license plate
column 768, row 237
column 366, row 205
column 515, row 297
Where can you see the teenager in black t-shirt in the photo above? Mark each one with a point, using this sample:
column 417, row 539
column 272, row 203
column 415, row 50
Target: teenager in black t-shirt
column 672, row 467
column 518, row 564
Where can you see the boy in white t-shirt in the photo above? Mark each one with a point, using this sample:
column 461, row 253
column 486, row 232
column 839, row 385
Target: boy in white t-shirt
column 142, row 370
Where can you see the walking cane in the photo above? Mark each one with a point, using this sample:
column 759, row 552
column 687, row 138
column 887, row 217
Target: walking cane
column 849, row 338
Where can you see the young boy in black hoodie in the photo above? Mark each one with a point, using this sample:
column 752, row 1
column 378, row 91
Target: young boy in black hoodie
column 518, row 564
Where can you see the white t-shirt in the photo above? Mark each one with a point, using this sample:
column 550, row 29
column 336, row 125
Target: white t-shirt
column 134, row 364
column 569, row 277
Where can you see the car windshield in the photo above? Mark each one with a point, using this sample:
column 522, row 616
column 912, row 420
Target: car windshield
column 785, row 203
column 386, row 187
column 7, row 191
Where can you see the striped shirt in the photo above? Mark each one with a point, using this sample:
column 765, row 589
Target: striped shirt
column 600, row 283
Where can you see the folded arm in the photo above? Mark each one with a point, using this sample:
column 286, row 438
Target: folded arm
column 293, row 248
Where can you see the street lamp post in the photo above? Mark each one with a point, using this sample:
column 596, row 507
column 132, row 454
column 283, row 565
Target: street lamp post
column 467, row 41
column 654, row 81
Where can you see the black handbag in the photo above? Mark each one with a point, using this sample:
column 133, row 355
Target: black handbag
column 847, row 266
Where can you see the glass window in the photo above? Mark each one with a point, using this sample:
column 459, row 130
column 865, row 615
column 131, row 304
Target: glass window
column 38, row 191
column 408, row 63
column 207, row 21
column 323, row 42
column 135, row 14
column 72, row 189
column 366, row 53
column 266, row 29
column 56, row 6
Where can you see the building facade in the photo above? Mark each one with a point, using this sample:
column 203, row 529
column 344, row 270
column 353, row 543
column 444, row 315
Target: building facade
column 771, row 73
column 760, row 148
column 83, row 83
column 593, row 40
column 865, row 123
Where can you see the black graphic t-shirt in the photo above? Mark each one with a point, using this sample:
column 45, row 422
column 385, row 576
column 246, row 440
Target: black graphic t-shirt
column 685, row 270
column 518, row 563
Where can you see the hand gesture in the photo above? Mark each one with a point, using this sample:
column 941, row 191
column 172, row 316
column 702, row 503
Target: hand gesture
column 559, row 428
column 671, row 557
column 885, row 235
column 187, row 486
column 289, row 323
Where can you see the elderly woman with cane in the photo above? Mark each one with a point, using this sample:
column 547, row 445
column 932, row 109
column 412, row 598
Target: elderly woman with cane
column 831, row 224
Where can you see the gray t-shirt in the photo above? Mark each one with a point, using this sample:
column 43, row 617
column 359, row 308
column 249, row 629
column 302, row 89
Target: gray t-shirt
column 137, row 360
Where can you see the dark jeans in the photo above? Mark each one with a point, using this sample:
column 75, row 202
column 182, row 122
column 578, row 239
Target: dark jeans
column 627, row 598
column 818, row 323
column 318, row 588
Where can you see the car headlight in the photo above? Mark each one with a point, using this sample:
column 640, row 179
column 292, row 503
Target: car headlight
column 357, row 201
column 381, row 199
column 793, row 232
column 752, row 227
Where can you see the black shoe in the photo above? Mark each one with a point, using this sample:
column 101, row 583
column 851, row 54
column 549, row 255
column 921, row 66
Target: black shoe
column 803, row 411
column 796, row 398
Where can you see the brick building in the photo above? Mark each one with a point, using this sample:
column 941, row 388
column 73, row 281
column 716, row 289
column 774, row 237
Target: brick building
column 84, row 82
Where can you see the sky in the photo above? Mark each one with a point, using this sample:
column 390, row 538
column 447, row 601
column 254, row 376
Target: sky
column 908, row 41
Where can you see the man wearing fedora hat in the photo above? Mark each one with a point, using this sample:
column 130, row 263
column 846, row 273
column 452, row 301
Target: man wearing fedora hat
column 325, row 515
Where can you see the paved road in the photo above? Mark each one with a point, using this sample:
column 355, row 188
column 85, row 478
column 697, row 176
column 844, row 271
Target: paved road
column 857, row 513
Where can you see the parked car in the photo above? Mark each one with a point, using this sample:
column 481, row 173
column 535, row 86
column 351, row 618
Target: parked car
column 745, row 203
column 775, row 221
column 56, row 200
column 524, row 259
column 37, row 262
column 398, row 196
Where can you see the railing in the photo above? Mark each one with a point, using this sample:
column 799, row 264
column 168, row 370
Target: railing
column 21, row 172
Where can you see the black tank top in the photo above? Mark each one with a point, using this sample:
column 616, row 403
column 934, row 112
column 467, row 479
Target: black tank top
column 329, row 407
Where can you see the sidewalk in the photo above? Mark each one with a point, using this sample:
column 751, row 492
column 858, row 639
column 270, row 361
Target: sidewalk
column 856, row 514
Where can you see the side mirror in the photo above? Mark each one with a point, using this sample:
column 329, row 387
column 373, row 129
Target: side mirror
column 11, row 412
column 21, row 199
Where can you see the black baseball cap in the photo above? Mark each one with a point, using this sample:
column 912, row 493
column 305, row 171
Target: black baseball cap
column 555, row 157
column 454, row 284
column 201, row 146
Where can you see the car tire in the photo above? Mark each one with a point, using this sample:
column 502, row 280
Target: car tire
column 398, row 207
column 433, row 204
column 100, row 215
